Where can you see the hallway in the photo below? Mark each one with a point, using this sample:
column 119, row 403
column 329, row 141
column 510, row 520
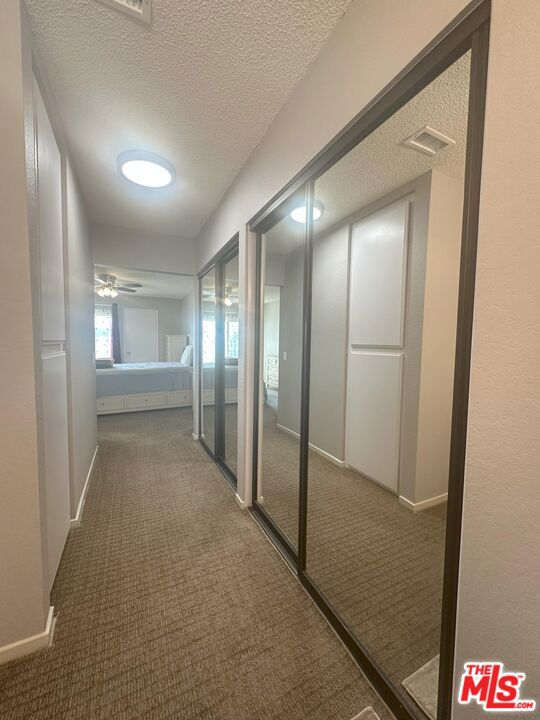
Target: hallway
column 172, row 604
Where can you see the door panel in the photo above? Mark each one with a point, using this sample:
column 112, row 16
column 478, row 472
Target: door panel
column 376, row 321
column 208, row 358
column 378, row 265
column 55, row 436
column 54, row 420
column 140, row 335
column 373, row 415
column 51, row 253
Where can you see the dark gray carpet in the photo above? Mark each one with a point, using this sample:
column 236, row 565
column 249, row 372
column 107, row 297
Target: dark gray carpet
column 172, row 604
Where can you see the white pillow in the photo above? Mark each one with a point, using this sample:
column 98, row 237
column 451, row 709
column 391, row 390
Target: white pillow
column 187, row 356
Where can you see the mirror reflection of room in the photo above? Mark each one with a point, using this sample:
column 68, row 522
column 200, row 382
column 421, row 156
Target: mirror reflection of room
column 143, row 340
column 208, row 357
column 282, row 303
column 385, row 271
column 231, row 338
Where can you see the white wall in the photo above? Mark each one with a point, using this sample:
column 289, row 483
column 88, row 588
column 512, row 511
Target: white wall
column 499, row 607
column 140, row 250
column 187, row 315
column 170, row 318
column 24, row 600
column 80, row 346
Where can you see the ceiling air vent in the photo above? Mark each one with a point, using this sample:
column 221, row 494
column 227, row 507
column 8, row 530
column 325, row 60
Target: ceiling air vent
column 141, row 9
column 428, row 141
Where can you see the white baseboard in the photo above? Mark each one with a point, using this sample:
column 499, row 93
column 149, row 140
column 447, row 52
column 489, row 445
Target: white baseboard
column 367, row 714
column 241, row 503
column 31, row 644
column 326, row 455
column 76, row 521
column 424, row 504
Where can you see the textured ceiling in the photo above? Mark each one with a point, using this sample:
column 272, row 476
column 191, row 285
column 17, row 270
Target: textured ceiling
column 380, row 164
column 200, row 87
column 157, row 285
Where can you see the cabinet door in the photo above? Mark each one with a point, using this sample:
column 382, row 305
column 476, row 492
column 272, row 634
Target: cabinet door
column 51, row 252
column 375, row 353
column 378, row 267
column 55, row 437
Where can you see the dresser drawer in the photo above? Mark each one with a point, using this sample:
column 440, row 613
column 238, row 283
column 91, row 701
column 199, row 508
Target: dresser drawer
column 176, row 398
column 111, row 403
column 144, row 400
column 208, row 397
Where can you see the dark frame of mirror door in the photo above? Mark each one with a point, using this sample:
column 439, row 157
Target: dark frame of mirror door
column 468, row 32
column 217, row 264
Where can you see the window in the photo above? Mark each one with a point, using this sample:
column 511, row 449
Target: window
column 231, row 336
column 103, row 331
column 208, row 338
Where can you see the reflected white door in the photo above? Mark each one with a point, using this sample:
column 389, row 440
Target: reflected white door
column 375, row 351
column 140, row 335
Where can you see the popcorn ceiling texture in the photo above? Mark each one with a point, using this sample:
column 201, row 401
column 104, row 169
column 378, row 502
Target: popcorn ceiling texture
column 200, row 86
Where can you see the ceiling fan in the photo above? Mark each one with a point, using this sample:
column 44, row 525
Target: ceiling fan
column 228, row 300
column 109, row 285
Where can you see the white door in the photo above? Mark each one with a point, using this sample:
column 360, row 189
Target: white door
column 375, row 351
column 140, row 335
column 54, row 420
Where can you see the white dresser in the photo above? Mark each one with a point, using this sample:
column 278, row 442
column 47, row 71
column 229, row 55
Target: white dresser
column 271, row 372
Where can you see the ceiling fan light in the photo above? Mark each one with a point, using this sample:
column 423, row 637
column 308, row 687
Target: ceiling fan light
column 114, row 293
column 106, row 292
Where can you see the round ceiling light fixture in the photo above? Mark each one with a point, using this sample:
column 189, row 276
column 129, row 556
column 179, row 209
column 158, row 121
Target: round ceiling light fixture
column 146, row 169
column 299, row 214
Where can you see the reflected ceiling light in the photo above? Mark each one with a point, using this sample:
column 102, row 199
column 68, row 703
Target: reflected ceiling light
column 299, row 214
column 146, row 169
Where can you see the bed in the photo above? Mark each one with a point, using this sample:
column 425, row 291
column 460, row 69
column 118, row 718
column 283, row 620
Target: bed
column 127, row 387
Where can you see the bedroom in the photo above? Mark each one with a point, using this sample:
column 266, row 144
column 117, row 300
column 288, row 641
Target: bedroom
column 143, row 339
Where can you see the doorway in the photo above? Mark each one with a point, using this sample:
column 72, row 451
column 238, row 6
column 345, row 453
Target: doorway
column 219, row 334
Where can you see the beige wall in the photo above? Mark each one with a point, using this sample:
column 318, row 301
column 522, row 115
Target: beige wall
column 499, row 606
column 438, row 337
column 499, row 602
column 80, row 347
column 23, row 599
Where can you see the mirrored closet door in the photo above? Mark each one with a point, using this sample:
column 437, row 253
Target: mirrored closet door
column 360, row 323
column 219, row 328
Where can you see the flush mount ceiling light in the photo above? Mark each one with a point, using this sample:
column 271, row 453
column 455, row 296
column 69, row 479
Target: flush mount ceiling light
column 299, row 214
column 146, row 169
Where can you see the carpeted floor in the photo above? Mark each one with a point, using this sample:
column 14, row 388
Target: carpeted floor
column 230, row 432
column 379, row 564
column 172, row 604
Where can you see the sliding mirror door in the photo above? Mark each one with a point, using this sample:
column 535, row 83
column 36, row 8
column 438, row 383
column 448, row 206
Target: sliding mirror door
column 230, row 298
column 282, row 250
column 219, row 333
column 385, row 283
column 207, row 354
